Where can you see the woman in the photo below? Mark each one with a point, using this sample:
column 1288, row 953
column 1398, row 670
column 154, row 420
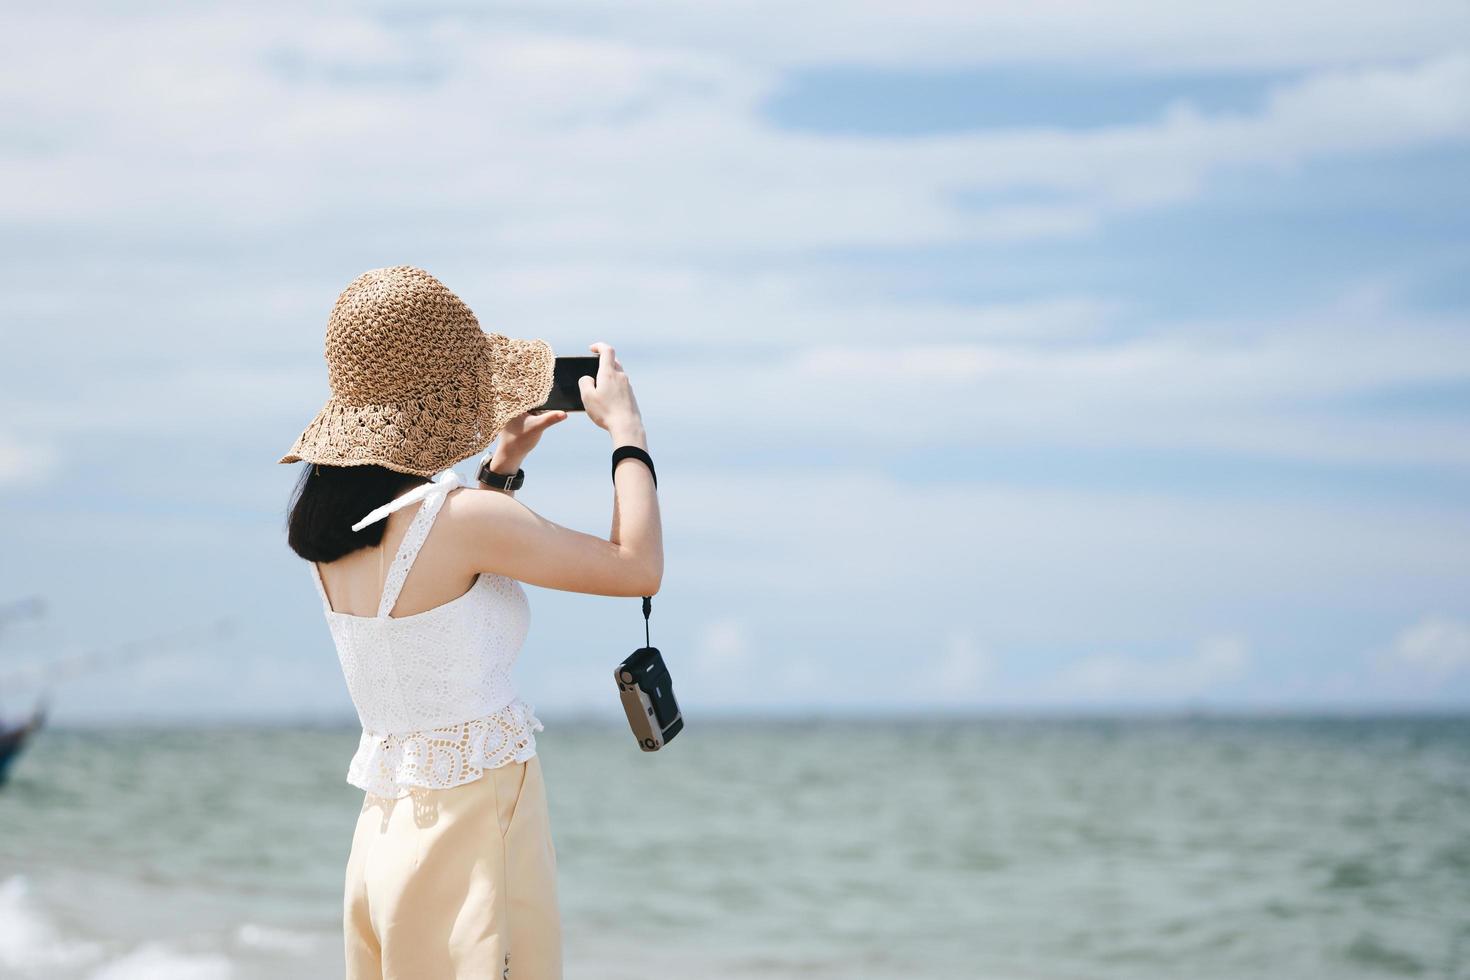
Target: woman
column 452, row 870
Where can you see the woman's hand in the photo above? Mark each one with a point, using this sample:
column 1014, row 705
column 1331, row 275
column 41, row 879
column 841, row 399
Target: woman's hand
column 519, row 437
column 609, row 400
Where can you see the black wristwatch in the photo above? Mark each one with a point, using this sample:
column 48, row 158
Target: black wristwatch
column 500, row 481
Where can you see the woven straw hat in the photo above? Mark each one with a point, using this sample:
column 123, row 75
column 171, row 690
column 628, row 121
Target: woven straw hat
column 417, row 386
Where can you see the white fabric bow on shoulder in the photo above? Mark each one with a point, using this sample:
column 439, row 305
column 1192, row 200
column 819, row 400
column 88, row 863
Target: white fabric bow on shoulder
column 441, row 484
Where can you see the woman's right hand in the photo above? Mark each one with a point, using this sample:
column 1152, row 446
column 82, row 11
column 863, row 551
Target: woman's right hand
column 504, row 537
column 609, row 400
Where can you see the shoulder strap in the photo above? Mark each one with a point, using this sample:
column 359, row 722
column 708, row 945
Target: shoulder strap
column 408, row 550
column 432, row 494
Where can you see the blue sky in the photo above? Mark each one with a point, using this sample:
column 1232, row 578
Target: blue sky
column 1094, row 357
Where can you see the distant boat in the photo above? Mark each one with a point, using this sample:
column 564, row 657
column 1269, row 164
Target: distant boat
column 13, row 738
column 14, row 735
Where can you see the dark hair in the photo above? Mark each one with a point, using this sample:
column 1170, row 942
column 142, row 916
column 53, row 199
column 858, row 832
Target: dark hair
column 328, row 500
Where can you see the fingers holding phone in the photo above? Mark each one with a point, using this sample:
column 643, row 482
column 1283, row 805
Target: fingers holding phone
column 608, row 399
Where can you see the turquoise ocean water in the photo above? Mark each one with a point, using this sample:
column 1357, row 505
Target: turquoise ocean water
column 1000, row 848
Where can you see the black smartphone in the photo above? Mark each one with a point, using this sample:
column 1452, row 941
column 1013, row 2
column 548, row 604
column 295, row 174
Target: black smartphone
column 565, row 395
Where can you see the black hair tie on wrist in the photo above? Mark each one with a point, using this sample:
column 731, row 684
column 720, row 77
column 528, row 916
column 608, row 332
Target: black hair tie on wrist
column 623, row 452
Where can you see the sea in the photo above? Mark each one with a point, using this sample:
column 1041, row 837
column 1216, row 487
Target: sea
column 995, row 848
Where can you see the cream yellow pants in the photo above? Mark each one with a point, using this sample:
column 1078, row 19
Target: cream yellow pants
column 448, row 884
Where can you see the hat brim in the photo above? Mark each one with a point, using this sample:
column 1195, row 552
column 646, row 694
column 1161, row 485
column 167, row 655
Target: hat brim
column 435, row 430
column 516, row 377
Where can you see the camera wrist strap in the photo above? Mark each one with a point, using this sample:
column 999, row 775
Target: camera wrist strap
column 647, row 608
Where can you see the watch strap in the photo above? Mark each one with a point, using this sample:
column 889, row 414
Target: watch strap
column 501, row 481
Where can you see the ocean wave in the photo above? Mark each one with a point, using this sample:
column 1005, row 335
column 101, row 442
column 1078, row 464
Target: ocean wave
column 274, row 939
column 30, row 943
column 33, row 945
column 159, row 961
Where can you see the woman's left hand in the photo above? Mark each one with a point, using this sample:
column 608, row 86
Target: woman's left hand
column 519, row 437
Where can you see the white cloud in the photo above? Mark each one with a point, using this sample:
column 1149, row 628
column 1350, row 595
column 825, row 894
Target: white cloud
column 559, row 143
column 802, row 590
column 726, row 669
column 1143, row 566
column 721, row 647
column 1126, row 35
column 601, row 184
column 25, row 463
column 1435, row 644
column 612, row 173
column 721, row 666
column 1274, row 388
column 958, row 673
column 1214, row 663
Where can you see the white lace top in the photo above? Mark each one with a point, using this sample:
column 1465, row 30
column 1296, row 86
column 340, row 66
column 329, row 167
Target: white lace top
column 433, row 690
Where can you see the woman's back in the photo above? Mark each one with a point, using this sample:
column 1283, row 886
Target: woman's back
column 432, row 687
column 355, row 582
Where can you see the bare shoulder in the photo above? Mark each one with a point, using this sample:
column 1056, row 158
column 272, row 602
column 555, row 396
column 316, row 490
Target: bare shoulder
column 489, row 526
column 478, row 511
column 473, row 501
column 492, row 532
